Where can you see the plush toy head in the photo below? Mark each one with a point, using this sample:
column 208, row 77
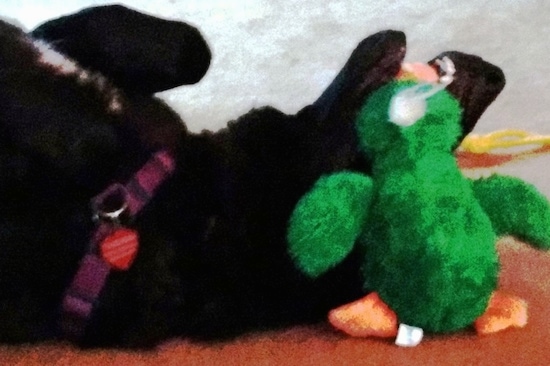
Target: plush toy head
column 427, row 233
column 379, row 138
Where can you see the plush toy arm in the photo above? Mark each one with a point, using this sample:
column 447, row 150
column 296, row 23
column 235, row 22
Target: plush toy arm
column 515, row 208
column 139, row 52
column 328, row 220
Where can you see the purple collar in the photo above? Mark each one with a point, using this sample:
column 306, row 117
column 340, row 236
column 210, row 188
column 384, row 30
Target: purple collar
column 112, row 247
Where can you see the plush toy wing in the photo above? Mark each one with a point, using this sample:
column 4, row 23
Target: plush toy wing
column 138, row 52
column 515, row 208
column 476, row 84
column 328, row 220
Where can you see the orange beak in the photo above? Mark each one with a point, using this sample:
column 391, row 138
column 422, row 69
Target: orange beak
column 418, row 71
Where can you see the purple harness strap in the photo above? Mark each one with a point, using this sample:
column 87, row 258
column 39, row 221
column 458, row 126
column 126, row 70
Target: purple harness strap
column 91, row 276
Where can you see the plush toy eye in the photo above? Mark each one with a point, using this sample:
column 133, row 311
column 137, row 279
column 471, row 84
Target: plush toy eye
column 405, row 110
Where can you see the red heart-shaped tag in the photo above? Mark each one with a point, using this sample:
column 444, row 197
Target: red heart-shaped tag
column 119, row 249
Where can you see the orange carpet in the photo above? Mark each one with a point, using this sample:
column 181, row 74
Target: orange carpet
column 525, row 272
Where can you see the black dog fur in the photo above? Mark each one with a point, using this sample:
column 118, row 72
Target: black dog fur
column 212, row 261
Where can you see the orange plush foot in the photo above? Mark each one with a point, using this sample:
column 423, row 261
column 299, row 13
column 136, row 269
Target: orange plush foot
column 368, row 316
column 504, row 311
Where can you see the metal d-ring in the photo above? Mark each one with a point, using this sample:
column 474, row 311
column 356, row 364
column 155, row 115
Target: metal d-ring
column 111, row 203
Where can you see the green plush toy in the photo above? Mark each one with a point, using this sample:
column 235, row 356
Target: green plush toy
column 428, row 234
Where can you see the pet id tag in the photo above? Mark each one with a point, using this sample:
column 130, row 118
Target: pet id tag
column 119, row 248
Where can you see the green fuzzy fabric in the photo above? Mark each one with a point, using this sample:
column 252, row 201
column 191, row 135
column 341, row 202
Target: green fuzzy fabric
column 427, row 233
column 327, row 222
column 516, row 208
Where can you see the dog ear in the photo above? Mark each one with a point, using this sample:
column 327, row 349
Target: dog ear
column 476, row 85
column 374, row 62
column 139, row 53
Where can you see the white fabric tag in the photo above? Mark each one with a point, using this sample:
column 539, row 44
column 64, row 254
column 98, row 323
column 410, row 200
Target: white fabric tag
column 408, row 336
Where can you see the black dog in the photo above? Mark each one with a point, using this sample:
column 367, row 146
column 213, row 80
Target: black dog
column 212, row 259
